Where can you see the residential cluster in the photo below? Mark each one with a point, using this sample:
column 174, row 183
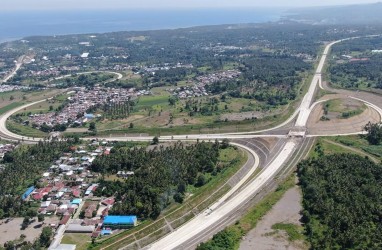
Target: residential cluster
column 82, row 100
column 8, row 88
column 67, row 190
column 221, row 48
column 52, row 71
column 219, row 76
column 198, row 89
column 166, row 66
column 5, row 148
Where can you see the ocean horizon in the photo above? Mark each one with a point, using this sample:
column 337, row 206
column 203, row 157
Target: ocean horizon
column 21, row 24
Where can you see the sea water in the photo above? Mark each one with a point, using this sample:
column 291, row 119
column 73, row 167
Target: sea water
column 20, row 24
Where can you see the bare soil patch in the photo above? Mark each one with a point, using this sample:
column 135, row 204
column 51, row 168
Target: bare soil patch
column 242, row 116
column 340, row 126
column 12, row 229
column 263, row 237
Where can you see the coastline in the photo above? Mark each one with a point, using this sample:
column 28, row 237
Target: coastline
column 50, row 23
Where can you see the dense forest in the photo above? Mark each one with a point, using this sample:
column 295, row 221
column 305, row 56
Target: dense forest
column 160, row 175
column 342, row 196
column 23, row 167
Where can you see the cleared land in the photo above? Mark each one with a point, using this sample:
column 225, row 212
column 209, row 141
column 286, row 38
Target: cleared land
column 336, row 124
column 12, row 229
column 285, row 211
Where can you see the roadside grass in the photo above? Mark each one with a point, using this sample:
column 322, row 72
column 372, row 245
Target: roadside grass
column 20, row 97
column 24, row 130
column 10, row 107
column 77, row 239
column 178, row 214
column 17, row 95
column 322, row 93
column 210, row 128
column 227, row 155
column 354, row 144
column 110, row 124
column 357, row 141
column 375, row 150
column 293, row 231
column 42, row 107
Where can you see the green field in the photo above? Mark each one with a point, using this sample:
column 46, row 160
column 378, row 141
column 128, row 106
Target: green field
column 10, row 107
column 345, row 110
column 152, row 102
column 24, row 130
column 78, row 239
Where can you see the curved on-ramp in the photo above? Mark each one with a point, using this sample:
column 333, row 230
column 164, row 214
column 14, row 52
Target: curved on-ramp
column 210, row 217
column 10, row 135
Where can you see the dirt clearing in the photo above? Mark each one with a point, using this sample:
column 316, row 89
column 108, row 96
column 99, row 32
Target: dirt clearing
column 263, row 237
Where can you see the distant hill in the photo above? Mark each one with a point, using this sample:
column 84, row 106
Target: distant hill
column 349, row 14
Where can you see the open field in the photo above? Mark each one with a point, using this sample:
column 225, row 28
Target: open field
column 12, row 229
column 275, row 228
column 78, row 239
column 13, row 99
column 343, row 108
column 46, row 106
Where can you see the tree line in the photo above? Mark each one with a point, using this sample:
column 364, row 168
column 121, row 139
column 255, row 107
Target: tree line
column 161, row 175
column 342, row 202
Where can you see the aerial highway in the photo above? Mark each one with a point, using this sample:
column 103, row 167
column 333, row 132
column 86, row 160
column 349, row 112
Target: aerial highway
column 218, row 215
column 211, row 218
column 18, row 65
column 119, row 75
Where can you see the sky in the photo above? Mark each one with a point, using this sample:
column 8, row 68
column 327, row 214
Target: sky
column 12, row 5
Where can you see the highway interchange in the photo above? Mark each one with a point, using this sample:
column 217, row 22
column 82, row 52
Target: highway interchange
column 291, row 147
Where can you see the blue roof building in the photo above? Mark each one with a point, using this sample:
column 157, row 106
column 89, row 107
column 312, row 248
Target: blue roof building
column 120, row 222
column 106, row 232
column 28, row 192
column 76, row 201
column 89, row 116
